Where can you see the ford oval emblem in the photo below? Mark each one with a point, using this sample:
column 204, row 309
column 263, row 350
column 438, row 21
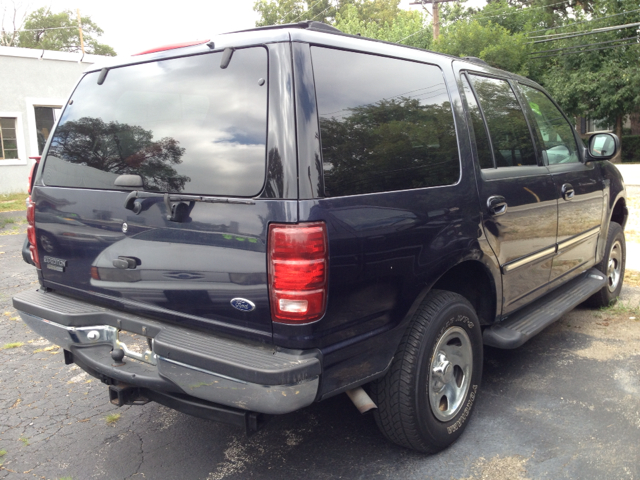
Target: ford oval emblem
column 243, row 304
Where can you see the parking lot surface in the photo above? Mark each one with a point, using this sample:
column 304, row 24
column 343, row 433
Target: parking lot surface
column 565, row 405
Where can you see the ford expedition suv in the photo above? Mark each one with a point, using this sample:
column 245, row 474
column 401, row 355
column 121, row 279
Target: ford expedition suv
column 241, row 227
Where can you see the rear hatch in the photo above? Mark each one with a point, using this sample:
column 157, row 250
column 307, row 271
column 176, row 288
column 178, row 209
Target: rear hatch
column 189, row 135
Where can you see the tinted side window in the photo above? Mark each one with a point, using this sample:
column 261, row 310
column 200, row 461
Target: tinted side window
column 184, row 125
column 510, row 136
column 479, row 129
column 386, row 124
column 553, row 129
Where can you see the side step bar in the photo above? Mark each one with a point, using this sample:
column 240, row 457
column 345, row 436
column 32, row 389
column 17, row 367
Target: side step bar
column 531, row 320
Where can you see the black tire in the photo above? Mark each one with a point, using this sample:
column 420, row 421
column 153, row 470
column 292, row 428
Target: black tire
column 404, row 396
column 613, row 266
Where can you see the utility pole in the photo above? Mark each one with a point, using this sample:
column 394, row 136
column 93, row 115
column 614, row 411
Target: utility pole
column 80, row 30
column 435, row 14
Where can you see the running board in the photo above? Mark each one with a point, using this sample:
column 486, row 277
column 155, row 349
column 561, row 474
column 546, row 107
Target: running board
column 534, row 318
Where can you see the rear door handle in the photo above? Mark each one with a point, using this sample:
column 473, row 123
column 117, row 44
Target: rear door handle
column 497, row 205
column 567, row 191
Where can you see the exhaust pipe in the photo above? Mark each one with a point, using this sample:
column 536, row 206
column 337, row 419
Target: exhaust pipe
column 361, row 400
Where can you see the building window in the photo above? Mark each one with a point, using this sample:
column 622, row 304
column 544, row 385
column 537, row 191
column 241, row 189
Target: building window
column 45, row 119
column 598, row 125
column 8, row 139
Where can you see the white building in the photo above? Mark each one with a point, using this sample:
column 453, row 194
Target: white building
column 34, row 86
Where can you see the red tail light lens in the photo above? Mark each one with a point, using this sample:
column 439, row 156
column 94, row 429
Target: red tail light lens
column 32, row 173
column 31, row 232
column 298, row 258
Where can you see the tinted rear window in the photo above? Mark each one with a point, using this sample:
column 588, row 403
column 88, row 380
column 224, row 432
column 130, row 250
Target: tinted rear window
column 184, row 125
column 386, row 124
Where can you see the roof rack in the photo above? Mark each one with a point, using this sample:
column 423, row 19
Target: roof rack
column 306, row 25
column 476, row 60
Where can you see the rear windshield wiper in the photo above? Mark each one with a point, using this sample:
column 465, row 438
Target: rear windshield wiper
column 177, row 212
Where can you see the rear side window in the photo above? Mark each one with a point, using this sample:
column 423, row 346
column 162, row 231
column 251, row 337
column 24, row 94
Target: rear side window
column 483, row 146
column 184, row 125
column 386, row 124
column 510, row 135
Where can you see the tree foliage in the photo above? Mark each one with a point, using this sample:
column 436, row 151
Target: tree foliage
column 59, row 31
column 376, row 147
column 120, row 149
column 278, row 12
column 586, row 77
column 491, row 42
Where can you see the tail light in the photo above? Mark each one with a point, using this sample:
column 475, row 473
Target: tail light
column 31, row 232
column 32, row 172
column 298, row 261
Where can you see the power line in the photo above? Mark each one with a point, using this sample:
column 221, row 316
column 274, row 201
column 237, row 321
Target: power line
column 38, row 29
column 521, row 10
column 321, row 13
column 579, row 23
column 592, row 32
column 303, row 13
column 476, row 17
column 589, row 50
column 585, row 45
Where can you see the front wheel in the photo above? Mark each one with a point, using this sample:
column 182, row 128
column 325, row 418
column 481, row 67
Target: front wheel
column 425, row 399
column 613, row 266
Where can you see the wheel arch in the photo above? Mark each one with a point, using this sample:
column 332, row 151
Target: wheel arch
column 620, row 212
column 473, row 280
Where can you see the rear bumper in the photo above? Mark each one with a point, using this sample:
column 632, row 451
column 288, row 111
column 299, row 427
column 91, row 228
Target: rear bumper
column 244, row 375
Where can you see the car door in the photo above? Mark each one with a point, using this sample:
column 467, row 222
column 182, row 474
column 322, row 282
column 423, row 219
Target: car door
column 579, row 187
column 516, row 192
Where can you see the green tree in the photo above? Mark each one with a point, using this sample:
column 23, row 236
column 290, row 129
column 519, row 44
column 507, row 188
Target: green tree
column 491, row 42
column 379, row 19
column 59, row 31
column 408, row 28
column 278, row 12
column 121, row 149
column 378, row 146
column 588, row 77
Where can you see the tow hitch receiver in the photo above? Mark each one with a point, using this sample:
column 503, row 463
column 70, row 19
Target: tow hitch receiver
column 123, row 394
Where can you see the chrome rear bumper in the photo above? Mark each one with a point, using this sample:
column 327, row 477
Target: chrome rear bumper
column 92, row 344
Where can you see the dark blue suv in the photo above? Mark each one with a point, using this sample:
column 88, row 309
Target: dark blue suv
column 241, row 227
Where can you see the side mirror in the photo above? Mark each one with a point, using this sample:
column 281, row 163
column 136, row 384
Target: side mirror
column 602, row 146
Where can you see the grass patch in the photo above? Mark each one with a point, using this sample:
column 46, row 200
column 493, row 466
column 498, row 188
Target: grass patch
column 2, row 454
column 112, row 418
column 632, row 278
column 13, row 202
column 12, row 225
column 621, row 308
column 9, row 346
column 25, row 440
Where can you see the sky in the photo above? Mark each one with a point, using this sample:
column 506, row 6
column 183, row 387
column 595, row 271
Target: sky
column 133, row 26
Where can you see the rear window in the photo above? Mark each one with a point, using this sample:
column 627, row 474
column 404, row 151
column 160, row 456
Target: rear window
column 386, row 124
column 184, row 125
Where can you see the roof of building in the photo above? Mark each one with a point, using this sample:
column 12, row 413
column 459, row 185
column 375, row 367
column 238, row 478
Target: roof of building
column 40, row 54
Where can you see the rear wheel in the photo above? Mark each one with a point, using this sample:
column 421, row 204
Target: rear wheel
column 613, row 266
column 425, row 399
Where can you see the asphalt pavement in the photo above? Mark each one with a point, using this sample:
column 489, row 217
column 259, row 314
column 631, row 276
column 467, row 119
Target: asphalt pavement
column 565, row 405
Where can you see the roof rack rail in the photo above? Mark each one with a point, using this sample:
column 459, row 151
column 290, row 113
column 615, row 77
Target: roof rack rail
column 477, row 60
column 307, row 25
